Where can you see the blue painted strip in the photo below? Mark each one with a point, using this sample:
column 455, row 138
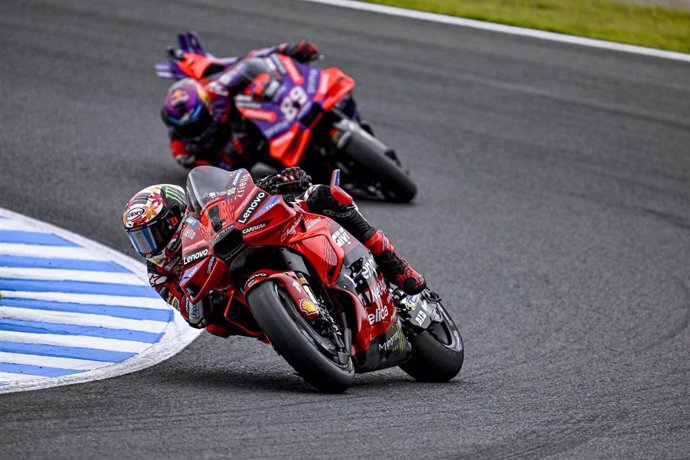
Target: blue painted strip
column 108, row 310
column 77, row 287
column 57, row 351
column 41, row 371
column 38, row 238
column 63, row 264
column 36, row 327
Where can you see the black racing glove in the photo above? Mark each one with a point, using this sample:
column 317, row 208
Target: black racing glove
column 301, row 50
column 290, row 180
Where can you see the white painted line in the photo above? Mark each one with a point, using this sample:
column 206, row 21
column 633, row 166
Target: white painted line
column 9, row 224
column 53, row 274
column 51, row 361
column 500, row 28
column 82, row 319
column 90, row 299
column 48, row 252
column 177, row 337
column 83, row 341
column 6, row 377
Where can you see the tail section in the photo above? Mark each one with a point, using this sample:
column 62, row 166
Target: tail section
column 191, row 43
column 191, row 60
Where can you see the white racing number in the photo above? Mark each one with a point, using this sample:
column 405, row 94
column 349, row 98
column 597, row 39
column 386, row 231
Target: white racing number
column 293, row 102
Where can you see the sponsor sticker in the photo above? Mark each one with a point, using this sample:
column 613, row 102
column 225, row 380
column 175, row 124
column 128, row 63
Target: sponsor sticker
column 308, row 308
column 253, row 228
column 390, row 343
column 369, row 268
column 380, row 314
column 341, row 237
column 290, row 231
column 134, row 214
column 251, row 208
column 254, row 279
column 194, row 256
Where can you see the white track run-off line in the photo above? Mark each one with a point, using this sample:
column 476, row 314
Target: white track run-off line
column 90, row 299
column 51, row 361
column 82, row 319
column 49, row 274
column 119, row 330
column 493, row 27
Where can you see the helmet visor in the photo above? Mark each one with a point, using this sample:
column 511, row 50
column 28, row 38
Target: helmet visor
column 196, row 125
column 150, row 239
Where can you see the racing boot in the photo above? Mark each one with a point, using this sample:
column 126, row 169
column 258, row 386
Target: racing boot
column 335, row 203
column 396, row 269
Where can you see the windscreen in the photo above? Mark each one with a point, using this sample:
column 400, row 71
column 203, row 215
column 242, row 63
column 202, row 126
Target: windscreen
column 206, row 183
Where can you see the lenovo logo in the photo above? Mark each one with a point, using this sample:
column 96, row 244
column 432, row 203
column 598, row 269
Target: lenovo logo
column 193, row 257
column 249, row 210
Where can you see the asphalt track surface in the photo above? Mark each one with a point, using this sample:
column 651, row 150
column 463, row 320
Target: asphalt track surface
column 553, row 216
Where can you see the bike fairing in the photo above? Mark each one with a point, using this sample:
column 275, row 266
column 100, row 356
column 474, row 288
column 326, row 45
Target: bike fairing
column 230, row 142
column 342, row 317
column 165, row 274
column 226, row 266
column 326, row 246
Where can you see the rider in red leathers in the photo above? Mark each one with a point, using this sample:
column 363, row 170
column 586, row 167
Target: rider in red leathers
column 153, row 221
column 205, row 128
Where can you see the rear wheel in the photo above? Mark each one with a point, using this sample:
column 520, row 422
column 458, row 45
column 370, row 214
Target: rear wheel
column 372, row 169
column 316, row 356
column 370, row 165
column 437, row 352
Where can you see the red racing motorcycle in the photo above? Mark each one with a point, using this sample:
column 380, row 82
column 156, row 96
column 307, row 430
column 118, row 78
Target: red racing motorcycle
column 315, row 292
column 300, row 115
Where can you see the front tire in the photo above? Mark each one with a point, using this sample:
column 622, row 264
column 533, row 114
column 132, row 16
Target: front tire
column 297, row 341
column 438, row 353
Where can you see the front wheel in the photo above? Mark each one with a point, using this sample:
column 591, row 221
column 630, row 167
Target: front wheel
column 437, row 352
column 317, row 358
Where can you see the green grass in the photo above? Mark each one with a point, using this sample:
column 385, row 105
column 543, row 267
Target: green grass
column 615, row 20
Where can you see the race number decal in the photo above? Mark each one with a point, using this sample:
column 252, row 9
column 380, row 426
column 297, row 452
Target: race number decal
column 293, row 102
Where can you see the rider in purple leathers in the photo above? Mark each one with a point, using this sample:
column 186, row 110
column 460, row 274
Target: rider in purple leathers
column 205, row 128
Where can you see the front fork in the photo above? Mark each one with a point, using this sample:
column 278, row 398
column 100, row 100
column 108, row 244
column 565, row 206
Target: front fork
column 309, row 305
column 322, row 318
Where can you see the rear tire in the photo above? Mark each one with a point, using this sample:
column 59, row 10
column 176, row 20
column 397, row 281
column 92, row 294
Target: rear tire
column 395, row 184
column 374, row 164
column 438, row 353
column 293, row 338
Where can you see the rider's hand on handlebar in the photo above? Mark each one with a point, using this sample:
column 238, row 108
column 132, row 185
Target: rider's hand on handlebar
column 289, row 180
column 302, row 50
